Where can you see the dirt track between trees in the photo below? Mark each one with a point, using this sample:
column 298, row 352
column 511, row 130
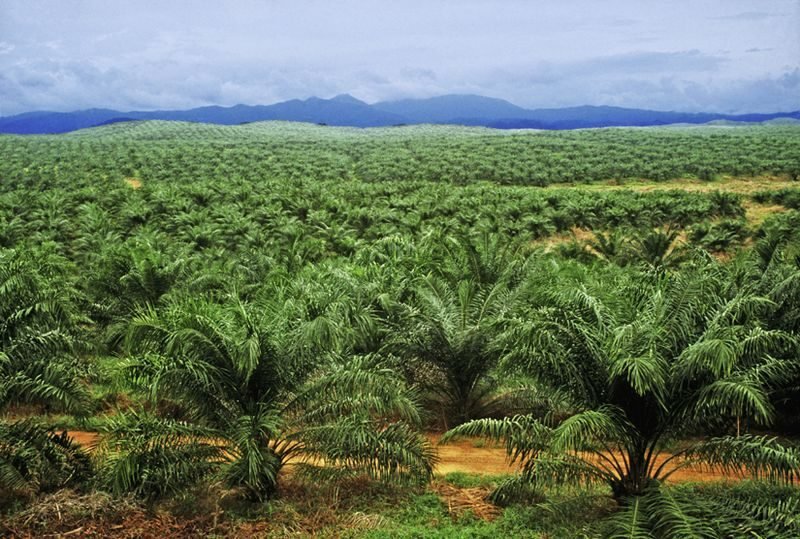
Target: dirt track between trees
column 463, row 456
column 472, row 457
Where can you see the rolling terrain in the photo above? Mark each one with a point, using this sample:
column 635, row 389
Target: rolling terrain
column 345, row 110
column 283, row 328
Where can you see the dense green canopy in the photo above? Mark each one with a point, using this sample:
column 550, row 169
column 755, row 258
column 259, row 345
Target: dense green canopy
column 226, row 301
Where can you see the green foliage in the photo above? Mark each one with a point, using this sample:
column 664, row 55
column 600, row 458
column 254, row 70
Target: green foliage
column 37, row 333
column 747, row 510
column 276, row 293
column 789, row 198
column 450, row 340
column 33, row 460
column 237, row 386
column 718, row 237
column 457, row 155
column 645, row 362
column 151, row 457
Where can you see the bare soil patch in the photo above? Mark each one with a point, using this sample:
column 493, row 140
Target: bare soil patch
column 473, row 456
column 463, row 456
column 134, row 183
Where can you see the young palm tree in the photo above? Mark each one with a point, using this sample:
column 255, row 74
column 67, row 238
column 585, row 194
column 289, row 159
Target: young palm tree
column 610, row 246
column 129, row 277
column 36, row 335
column 34, row 459
column 37, row 322
column 658, row 249
column 651, row 362
column 249, row 407
column 327, row 309
column 450, row 339
column 486, row 258
column 775, row 271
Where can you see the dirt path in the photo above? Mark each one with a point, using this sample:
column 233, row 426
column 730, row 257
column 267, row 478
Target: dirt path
column 463, row 456
column 472, row 457
column 86, row 439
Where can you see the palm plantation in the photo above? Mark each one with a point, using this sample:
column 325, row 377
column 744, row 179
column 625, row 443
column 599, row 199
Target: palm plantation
column 272, row 321
column 450, row 341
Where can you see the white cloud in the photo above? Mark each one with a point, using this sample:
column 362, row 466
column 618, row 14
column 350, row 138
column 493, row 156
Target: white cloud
column 180, row 54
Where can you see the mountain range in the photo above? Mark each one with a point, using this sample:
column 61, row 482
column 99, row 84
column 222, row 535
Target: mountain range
column 346, row 110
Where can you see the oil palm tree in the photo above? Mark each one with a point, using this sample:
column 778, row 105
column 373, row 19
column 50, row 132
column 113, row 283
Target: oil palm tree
column 773, row 267
column 248, row 406
column 326, row 309
column 130, row 276
column 37, row 333
column 37, row 322
column 658, row 249
column 486, row 258
column 654, row 358
column 449, row 340
column 609, row 246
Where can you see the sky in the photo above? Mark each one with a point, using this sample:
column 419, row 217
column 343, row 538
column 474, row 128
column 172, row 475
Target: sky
column 719, row 56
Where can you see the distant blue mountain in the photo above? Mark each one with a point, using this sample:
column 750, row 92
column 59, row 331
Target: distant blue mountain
column 447, row 108
column 346, row 110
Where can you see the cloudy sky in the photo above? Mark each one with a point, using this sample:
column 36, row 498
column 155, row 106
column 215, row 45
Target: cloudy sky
column 721, row 55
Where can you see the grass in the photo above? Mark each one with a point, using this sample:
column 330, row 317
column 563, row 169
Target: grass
column 468, row 480
column 353, row 510
column 560, row 517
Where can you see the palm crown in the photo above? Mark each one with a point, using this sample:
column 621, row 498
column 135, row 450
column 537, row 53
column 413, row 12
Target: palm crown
column 250, row 407
column 641, row 365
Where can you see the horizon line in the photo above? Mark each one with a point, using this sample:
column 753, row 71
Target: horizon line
column 370, row 104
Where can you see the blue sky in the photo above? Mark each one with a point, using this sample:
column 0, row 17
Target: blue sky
column 722, row 56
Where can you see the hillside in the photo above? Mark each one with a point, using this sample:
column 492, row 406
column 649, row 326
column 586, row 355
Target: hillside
column 345, row 110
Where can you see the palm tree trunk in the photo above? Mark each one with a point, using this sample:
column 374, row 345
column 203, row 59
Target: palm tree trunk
column 636, row 478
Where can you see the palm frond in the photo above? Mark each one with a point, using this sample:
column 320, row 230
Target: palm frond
column 753, row 508
column 153, row 457
column 394, row 452
column 361, row 384
column 34, row 459
column 760, row 457
column 557, row 469
column 630, row 523
column 734, row 396
column 674, row 516
column 524, row 436
column 587, row 429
